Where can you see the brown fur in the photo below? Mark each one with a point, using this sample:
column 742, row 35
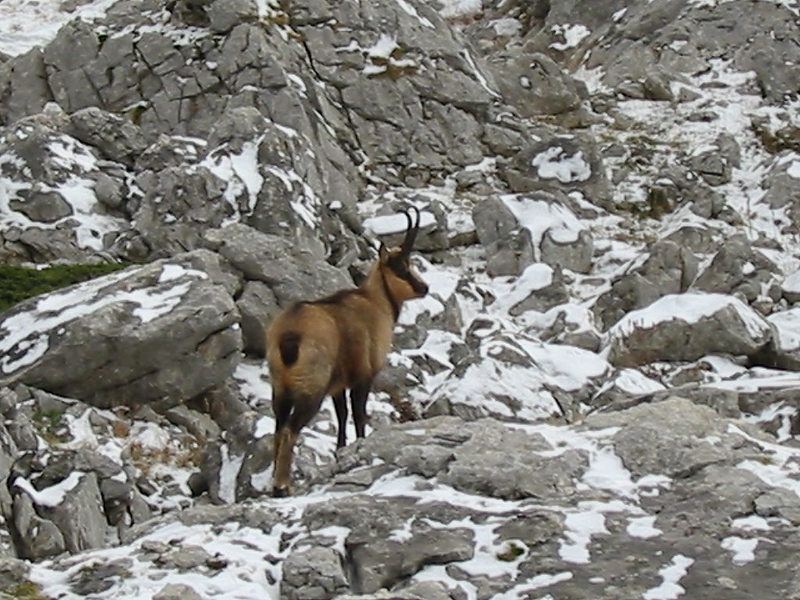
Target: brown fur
column 331, row 345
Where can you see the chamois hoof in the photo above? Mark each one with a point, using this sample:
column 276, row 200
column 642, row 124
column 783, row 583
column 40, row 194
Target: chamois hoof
column 281, row 492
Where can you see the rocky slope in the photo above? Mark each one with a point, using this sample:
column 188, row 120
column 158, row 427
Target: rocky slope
column 598, row 399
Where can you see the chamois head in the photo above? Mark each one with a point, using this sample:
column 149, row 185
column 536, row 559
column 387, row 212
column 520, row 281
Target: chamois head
column 402, row 280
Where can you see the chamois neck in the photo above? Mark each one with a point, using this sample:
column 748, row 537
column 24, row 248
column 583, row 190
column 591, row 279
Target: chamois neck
column 376, row 287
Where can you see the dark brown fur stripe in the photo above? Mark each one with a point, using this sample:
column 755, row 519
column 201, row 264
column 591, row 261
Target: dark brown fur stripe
column 289, row 345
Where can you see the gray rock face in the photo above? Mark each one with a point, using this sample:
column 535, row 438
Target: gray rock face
column 559, row 163
column 177, row 205
column 40, row 538
column 269, row 259
column 712, row 166
column 379, row 553
column 783, row 189
column 177, row 591
column 736, row 269
column 517, row 474
column 783, row 351
column 53, row 212
column 535, row 84
column 118, row 139
column 127, row 314
column 427, row 590
column 80, row 516
column 655, row 433
column 313, row 573
column 686, row 327
column 668, row 269
column 508, row 246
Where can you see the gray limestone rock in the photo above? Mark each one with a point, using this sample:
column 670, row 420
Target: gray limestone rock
column 39, row 537
column 80, row 516
column 535, row 84
column 313, row 573
column 686, row 327
column 103, row 341
column 268, row 258
column 668, row 268
column 737, row 268
column 508, row 245
column 559, row 163
column 116, row 138
column 518, row 472
column 712, row 166
column 177, row 591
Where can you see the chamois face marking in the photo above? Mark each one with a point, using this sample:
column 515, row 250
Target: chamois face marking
column 401, row 277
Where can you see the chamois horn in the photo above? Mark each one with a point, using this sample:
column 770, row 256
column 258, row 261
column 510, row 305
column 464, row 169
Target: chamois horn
column 411, row 232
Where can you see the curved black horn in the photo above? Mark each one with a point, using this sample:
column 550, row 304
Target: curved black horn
column 411, row 232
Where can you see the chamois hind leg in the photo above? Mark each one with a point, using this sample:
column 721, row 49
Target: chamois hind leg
column 340, row 404
column 358, row 401
column 281, row 409
column 303, row 410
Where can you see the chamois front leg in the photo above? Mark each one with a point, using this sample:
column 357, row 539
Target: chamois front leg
column 340, row 404
column 358, row 401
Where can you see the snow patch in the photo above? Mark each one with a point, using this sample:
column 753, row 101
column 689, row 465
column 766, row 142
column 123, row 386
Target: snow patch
column 671, row 574
column 53, row 495
column 554, row 164
column 573, row 35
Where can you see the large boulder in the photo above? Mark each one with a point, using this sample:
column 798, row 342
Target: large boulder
column 669, row 268
column 557, row 162
column 158, row 334
column 291, row 272
column 685, row 327
column 737, row 268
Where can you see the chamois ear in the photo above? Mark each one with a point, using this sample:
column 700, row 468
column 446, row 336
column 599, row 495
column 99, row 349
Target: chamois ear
column 383, row 253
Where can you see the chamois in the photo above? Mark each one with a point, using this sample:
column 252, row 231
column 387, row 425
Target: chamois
column 334, row 344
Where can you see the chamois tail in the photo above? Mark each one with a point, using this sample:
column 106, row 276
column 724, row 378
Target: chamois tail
column 289, row 346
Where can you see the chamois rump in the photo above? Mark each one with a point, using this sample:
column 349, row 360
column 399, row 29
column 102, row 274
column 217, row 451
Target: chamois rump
column 334, row 344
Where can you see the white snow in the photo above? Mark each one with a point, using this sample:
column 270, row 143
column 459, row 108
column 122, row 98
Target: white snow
column 29, row 23
column 241, row 172
column 643, row 527
column 393, row 224
column 581, row 526
column 413, row 12
column 457, row 9
column 743, row 549
column 231, row 465
column 787, row 324
column 540, row 217
column 53, row 495
column 573, row 35
column 672, row 574
column 554, row 163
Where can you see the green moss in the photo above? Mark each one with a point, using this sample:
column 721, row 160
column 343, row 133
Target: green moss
column 20, row 283
column 50, row 426
column 28, row 591
column 511, row 552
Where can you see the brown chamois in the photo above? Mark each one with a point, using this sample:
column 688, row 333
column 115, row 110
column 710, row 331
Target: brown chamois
column 335, row 344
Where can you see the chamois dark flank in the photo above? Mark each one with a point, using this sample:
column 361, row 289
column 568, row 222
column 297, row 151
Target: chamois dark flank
column 334, row 344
